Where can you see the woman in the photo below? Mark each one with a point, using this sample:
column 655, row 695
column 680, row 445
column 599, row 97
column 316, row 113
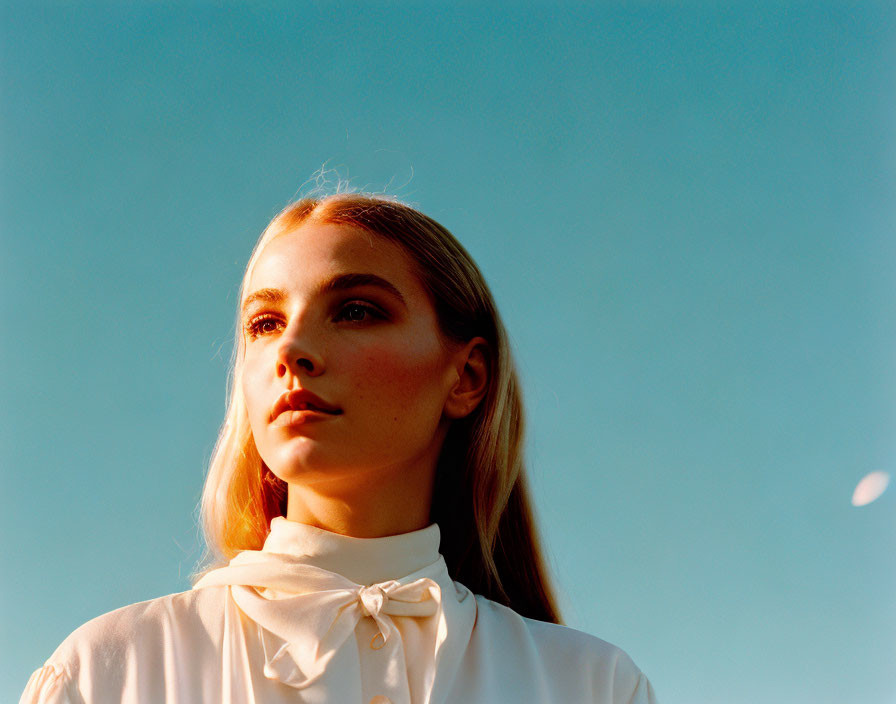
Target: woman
column 367, row 490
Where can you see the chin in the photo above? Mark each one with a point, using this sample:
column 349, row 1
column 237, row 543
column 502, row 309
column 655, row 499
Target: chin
column 301, row 463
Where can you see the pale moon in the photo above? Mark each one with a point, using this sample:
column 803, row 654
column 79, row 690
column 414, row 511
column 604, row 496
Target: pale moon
column 870, row 488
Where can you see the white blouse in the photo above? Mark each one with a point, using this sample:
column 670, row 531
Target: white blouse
column 319, row 617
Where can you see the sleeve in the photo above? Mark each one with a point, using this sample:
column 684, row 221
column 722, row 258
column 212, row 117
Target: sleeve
column 51, row 684
column 643, row 693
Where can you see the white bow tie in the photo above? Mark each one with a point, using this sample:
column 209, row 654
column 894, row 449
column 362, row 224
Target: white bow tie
column 315, row 611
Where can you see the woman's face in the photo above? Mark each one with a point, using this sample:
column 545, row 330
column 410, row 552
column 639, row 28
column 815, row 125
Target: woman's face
column 338, row 312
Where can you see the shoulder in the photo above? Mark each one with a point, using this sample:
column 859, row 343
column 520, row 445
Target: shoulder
column 142, row 639
column 185, row 613
column 565, row 659
column 564, row 642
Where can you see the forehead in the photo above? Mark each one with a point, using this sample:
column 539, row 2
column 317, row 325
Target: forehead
column 314, row 252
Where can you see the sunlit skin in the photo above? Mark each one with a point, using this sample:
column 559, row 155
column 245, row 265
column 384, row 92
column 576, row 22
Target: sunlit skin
column 369, row 471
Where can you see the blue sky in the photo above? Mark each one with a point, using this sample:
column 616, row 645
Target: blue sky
column 685, row 212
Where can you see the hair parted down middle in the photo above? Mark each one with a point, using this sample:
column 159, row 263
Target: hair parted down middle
column 480, row 499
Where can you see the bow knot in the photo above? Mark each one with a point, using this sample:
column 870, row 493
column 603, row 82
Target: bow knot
column 372, row 599
column 316, row 611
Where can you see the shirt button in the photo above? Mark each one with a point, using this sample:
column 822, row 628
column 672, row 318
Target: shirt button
column 380, row 699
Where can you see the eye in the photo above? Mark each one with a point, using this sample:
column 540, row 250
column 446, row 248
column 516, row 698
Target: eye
column 358, row 312
column 261, row 325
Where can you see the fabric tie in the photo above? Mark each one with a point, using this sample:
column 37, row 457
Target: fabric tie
column 305, row 614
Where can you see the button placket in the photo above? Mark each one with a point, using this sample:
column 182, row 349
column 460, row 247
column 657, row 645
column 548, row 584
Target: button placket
column 375, row 661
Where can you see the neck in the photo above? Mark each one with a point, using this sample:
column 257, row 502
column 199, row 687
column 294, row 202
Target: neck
column 378, row 509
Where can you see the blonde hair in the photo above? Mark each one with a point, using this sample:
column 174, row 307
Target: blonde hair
column 480, row 500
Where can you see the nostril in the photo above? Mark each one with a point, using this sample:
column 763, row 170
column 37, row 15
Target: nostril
column 303, row 362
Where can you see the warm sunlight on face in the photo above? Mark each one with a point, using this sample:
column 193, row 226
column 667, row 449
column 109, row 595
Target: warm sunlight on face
column 338, row 312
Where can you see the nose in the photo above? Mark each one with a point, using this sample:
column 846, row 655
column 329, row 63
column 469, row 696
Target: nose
column 299, row 354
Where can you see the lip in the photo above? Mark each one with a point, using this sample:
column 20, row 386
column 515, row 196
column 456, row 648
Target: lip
column 307, row 404
column 290, row 418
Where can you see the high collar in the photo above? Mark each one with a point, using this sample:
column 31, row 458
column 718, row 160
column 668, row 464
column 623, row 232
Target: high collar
column 362, row 560
column 308, row 590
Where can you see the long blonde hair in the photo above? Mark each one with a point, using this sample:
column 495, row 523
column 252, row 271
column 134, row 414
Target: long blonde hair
column 480, row 500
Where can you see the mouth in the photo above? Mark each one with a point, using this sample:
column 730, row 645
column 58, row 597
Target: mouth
column 302, row 403
column 300, row 416
column 310, row 408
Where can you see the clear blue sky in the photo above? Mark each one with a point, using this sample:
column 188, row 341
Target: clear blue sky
column 686, row 213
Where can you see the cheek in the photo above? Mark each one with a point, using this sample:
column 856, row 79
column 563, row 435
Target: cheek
column 398, row 376
column 252, row 390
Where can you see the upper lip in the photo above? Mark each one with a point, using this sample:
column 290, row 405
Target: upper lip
column 300, row 400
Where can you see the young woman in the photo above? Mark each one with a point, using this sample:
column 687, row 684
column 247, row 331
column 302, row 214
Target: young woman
column 366, row 510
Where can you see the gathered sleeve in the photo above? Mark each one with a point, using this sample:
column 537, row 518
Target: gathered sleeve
column 643, row 693
column 50, row 684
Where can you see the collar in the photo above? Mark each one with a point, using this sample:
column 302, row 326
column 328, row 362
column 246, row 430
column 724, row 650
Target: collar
column 307, row 589
column 362, row 560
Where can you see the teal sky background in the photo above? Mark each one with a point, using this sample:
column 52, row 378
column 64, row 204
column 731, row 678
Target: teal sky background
column 685, row 211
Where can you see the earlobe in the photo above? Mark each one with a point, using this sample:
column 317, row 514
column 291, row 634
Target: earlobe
column 471, row 365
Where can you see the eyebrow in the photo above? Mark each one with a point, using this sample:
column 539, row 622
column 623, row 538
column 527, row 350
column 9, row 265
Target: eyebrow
column 343, row 282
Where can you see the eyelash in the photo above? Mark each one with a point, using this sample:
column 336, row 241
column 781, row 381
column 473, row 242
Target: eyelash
column 253, row 326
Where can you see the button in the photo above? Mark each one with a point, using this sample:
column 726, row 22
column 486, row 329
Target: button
column 378, row 641
column 380, row 699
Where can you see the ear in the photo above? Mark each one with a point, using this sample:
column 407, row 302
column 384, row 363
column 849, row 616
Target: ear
column 471, row 381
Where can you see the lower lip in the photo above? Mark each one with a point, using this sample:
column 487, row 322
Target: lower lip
column 288, row 418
